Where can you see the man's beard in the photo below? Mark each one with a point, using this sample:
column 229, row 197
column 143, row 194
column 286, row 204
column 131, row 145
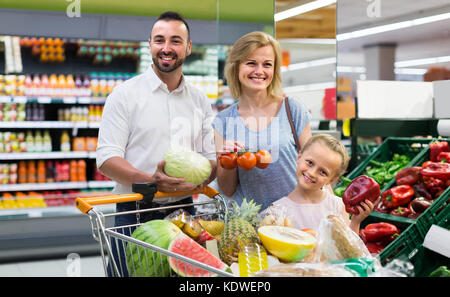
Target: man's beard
column 166, row 68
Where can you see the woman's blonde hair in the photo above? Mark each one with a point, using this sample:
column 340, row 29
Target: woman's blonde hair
column 241, row 50
column 334, row 145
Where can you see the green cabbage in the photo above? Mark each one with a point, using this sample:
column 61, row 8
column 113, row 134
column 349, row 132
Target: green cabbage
column 184, row 163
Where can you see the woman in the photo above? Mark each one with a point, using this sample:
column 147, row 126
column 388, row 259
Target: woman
column 259, row 121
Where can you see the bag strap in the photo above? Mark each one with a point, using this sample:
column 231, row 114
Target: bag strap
column 294, row 133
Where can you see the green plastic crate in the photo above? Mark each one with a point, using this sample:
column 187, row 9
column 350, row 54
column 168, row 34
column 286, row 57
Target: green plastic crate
column 418, row 161
column 409, row 245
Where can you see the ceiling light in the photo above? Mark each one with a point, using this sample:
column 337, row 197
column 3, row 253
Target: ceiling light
column 392, row 27
column 308, row 40
column 425, row 61
column 309, row 64
column 360, row 69
column 302, row 9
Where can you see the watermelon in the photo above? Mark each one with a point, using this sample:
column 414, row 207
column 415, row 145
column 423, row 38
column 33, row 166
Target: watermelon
column 186, row 246
column 145, row 262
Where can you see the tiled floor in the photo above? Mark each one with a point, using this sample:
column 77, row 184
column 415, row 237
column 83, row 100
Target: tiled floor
column 88, row 266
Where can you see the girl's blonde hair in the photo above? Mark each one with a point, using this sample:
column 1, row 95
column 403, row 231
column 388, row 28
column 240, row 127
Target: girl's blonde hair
column 334, row 145
column 241, row 50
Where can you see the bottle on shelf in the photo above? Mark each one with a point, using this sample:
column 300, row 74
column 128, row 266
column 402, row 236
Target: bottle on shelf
column 38, row 141
column 49, row 172
column 65, row 142
column 22, row 172
column 47, row 142
column 73, row 171
column 81, row 170
column 65, row 171
column 78, row 90
column 70, row 86
column 53, row 85
column 29, row 139
column 45, row 83
column 31, row 172
column 41, row 176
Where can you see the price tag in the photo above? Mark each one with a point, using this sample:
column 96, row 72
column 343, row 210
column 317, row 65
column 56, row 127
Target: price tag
column 44, row 100
column 19, row 99
column 69, row 100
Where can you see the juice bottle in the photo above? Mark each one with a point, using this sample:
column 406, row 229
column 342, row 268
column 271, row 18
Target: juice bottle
column 94, row 87
column 53, row 85
column 65, row 142
column 28, row 85
column 47, row 142
column 81, row 170
column 49, row 172
column 70, row 85
column 41, row 178
column 87, row 86
column 38, row 142
column 62, row 85
column 29, row 139
column 65, row 171
column 252, row 258
column 22, row 172
column 91, row 113
column 73, row 171
column 78, row 91
column 35, row 89
column 31, row 172
column 98, row 113
column 45, row 84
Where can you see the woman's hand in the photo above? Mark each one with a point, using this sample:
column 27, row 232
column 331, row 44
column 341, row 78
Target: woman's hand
column 231, row 146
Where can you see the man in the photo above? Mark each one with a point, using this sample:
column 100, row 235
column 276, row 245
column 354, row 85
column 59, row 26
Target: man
column 151, row 112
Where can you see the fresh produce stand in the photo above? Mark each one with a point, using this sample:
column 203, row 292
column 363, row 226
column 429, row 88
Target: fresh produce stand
column 146, row 253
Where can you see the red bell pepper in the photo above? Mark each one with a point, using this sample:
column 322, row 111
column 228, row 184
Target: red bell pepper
column 401, row 212
column 379, row 231
column 381, row 208
column 419, row 205
column 374, row 247
column 437, row 170
column 408, row 176
column 397, row 196
column 360, row 189
column 436, row 148
column 421, row 191
column 444, row 157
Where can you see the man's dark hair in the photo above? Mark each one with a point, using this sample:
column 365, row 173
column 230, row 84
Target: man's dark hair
column 174, row 16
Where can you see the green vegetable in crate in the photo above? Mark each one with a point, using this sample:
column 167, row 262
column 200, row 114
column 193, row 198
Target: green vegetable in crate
column 441, row 271
column 143, row 261
column 338, row 191
column 383, row 172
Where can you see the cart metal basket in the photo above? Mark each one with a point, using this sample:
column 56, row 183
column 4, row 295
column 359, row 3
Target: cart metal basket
column 123, row 255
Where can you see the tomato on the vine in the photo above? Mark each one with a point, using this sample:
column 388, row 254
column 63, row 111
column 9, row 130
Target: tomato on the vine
column 246, row 161
column 263, row 158
column 228, row 161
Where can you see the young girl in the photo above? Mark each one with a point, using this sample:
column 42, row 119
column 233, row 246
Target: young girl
column 322, row 160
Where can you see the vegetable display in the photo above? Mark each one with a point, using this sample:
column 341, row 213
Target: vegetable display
column 184, row 163
column 360, row 189
column 383, row 172
column 377, row 236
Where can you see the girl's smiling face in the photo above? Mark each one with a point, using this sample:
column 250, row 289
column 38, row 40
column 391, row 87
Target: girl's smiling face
column 256, row 72
column 317, row 166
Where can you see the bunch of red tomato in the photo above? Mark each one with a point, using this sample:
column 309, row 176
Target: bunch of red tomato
column 246, row 160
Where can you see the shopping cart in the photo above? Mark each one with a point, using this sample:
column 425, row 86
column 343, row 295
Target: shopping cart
column 148, row 259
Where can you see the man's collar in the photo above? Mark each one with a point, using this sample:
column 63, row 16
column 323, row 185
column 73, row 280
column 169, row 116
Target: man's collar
column 156, row 82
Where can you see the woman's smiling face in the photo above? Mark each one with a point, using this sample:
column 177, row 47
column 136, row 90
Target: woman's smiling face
column 256, row 72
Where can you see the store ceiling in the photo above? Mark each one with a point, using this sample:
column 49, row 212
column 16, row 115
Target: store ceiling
column 230, row 10
column 423, row 41
column 319, row 23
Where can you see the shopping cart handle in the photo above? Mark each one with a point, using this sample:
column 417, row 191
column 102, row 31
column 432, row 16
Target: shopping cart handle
column 85, row 204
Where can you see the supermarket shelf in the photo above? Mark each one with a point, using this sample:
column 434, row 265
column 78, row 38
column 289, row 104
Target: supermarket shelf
column 51, row 100
column 56, row 186
column 49, row 125
column 47, row 155
column 49, row 211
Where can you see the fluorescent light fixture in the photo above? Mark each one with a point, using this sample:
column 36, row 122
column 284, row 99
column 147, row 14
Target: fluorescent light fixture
column 425, row 61
column 362, row 70
column 302, row 9
column 308, row 40
column 392, row 27
column 309, row 64
column 310, row 87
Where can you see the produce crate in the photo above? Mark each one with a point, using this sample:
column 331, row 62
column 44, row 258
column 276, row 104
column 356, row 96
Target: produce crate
column 414, row 148
column 427, row 216
column 409, row 245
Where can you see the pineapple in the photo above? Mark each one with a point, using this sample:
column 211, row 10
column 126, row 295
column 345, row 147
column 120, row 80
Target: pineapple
column 236, row 232
column 240, row 230
column 248, row 211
